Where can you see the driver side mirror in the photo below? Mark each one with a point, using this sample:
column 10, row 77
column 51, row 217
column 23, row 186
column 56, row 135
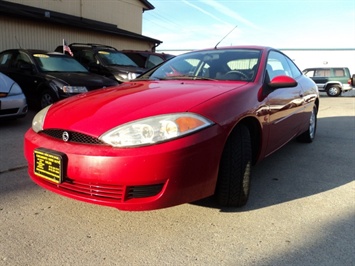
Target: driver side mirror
column 282, row 82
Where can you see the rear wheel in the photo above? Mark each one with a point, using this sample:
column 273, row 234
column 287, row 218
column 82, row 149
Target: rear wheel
column 333, row 90
column 308, row 136
column 233, row 182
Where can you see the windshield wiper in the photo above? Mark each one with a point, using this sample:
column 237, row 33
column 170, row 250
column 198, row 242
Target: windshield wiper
column 191, row 77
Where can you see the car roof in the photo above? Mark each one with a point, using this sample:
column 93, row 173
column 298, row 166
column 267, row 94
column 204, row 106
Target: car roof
column 256, row 47
column 93, row 46
column 32, row 51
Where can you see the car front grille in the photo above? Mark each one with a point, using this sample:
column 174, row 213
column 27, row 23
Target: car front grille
column 73, row 136
column 95, row 190
column 118, row 193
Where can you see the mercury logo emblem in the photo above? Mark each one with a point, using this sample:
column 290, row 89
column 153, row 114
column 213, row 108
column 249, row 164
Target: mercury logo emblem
column 65, row 136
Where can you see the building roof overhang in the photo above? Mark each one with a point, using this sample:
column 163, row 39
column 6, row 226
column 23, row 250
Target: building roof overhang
column 19, row 11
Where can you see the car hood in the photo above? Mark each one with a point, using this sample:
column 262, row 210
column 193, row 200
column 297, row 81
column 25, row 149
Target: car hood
column 89, row 80
column 99, row 111
column 5, row 83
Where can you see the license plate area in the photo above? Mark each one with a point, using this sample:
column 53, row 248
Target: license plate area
column 49, row 165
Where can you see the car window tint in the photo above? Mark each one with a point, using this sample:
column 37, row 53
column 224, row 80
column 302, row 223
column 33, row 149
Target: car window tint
column 20, row 60
column 309, row 73
column 115, row 58
column 153, row 60
column 219, row 64
column 87, row 57
column 338, row 72
column 5, row 59
column 58, row 63
column 277, row 65
column 322, row 73
column 295, row 72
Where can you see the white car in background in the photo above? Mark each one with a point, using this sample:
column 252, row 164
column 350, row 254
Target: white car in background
column 13, row 102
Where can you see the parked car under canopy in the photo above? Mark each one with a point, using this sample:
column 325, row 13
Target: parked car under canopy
column 47, row 77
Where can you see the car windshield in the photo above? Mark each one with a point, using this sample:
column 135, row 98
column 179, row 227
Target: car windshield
column 114, row 58
column 58, row 63
column 217, row 64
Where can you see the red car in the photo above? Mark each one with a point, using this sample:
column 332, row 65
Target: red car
column 188, row 129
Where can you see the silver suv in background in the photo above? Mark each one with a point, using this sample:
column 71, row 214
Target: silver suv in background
column 332, row 80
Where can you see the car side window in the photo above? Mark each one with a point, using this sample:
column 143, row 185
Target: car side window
column 322, row 73
column 5, row 59
column 85, row 57
column 338, row 72
column 277, row 65
column 309, row 73
column 153, row 60
column 294, row 69
column 21, row 59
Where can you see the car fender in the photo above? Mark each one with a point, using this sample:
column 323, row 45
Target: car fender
column 47, row 85
column 332, row 83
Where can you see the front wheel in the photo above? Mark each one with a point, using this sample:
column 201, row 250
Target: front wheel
column 47, row 97
column 308, row 136
column 333, row 90
column 233, row 182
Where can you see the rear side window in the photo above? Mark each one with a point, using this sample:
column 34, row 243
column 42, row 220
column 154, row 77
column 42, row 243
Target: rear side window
column 322, row 73
column 5, row 59
column 339, row 72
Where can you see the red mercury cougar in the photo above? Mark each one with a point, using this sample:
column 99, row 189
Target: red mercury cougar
column 188, row 129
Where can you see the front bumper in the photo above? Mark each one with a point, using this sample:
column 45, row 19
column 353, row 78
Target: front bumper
column 144, row 178
column 13, row 106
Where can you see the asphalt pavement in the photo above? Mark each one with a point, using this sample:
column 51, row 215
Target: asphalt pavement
column 301, row 211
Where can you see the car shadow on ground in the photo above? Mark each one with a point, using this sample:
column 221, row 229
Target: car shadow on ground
column 301, row 170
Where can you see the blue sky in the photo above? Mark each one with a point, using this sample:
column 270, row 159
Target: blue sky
column 197, row 24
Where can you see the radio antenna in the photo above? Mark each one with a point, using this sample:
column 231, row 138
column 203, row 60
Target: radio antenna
column 225, row 36
column 18, row 43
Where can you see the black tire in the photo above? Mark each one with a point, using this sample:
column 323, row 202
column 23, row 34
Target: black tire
column 333, row 90
column 47, row 97
column 309, row 135
column 233, row 182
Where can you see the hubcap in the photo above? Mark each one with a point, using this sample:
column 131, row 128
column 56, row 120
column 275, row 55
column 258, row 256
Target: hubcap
column 333, row 91
column 46, row 100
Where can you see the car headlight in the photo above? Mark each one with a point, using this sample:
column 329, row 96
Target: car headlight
column 154, row 129
column 125, row 76
column 74, row 89
column 38, row 120
column 58, row 84
column 132, row 75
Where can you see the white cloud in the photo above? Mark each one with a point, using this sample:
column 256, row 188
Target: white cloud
column 230, row 13
column 204, row 11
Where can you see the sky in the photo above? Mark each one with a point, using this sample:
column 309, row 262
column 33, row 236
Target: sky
column 198, row 24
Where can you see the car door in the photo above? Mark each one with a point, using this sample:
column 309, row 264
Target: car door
column 321, row 77
column 285, row 104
